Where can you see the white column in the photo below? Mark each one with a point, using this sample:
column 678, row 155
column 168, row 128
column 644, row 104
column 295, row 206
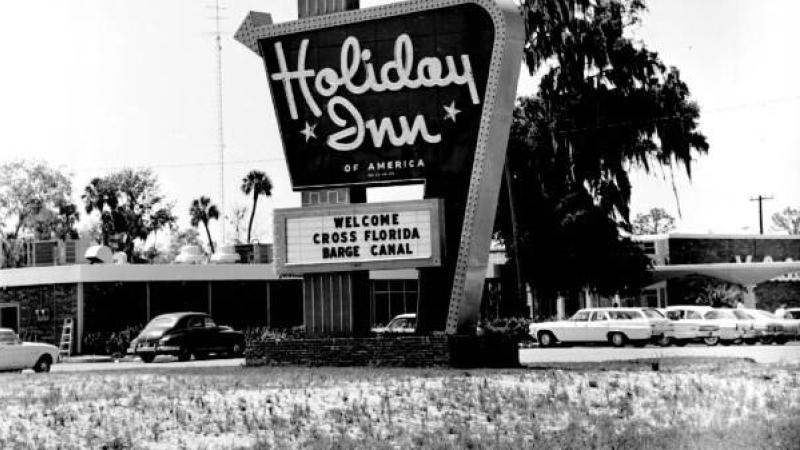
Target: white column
column 750, row 296
column 588, row 296
column 560, row 308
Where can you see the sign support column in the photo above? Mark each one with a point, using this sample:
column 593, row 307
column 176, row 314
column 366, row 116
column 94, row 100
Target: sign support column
column 334, row 303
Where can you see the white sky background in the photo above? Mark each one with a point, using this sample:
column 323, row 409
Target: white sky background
column 96, row 85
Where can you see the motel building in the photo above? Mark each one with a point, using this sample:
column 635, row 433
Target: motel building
column 57, row 281
column 765, row 267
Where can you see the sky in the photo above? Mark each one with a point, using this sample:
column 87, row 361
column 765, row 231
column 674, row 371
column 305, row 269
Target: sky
column 92, row 86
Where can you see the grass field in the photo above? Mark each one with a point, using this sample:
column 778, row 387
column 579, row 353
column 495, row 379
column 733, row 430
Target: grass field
column 698, row 404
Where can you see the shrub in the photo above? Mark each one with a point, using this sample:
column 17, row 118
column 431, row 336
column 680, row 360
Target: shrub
column 514, row 328
column 113, row 343
column 260, row 334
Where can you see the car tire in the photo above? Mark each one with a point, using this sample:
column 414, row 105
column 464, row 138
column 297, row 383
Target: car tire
column 767, row 340
column 184, row 354
column 147, row 359
column 780, row 340
column 664, row 341
column 750, row 341
column 236, row 351
column 727, row 342
column 546, row 339
column 711, row 340
column 43, row 364
column 617, row 339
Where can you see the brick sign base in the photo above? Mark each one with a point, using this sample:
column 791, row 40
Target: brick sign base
column 388, row 351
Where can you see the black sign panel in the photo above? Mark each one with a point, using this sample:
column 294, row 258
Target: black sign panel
column 386, row 101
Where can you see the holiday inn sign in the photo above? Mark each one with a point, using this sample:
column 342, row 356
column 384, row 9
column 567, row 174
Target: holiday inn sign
column 411, row 92
column 381, row 102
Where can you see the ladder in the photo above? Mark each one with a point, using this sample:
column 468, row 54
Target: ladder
column 65, row 347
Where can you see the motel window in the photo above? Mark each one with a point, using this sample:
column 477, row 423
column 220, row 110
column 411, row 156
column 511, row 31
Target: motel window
column 393, row 297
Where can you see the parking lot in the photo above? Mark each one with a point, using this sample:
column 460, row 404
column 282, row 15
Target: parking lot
column 764, row 354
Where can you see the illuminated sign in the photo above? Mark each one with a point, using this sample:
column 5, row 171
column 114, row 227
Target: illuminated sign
column 358, row 236
column 393, row 102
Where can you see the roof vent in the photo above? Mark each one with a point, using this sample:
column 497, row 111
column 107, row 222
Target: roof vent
column 226, row 254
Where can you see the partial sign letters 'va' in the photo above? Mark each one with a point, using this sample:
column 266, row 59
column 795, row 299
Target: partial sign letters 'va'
column 389, row 101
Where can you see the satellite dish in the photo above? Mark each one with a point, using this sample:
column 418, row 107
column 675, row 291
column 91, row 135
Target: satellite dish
column 98, row 254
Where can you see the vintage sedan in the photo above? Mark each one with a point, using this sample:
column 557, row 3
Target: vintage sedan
column 771, row 328
column 185, row 334
column 400, row 324
column 690, row 326
column 734, row 328
column 617, row 326
column 16, row 355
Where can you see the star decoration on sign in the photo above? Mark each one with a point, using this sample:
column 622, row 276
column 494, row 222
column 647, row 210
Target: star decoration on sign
column 451, row 111
column 308, row 132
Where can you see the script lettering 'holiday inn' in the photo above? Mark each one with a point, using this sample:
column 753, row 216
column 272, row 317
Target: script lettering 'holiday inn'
column 394, row 75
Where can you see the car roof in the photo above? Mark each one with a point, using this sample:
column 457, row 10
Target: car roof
column 405, row 316
column 178, row 315
column 695, row 307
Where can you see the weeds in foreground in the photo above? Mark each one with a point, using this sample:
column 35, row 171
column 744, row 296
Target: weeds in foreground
column 736, row 406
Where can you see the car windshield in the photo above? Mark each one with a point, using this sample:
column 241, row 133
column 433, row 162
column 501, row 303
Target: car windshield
column 7, row 337
column 793, row 314
column 401, row 323
column 160, row 323
column 580, row 316
column 652, row 314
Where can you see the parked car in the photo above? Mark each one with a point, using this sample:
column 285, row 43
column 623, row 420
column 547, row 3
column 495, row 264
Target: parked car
column 792, row 313
column 16, row 355
column 690, row 326
column 617, row 326
column 771, row 328
column 184, row 334
column 662, row 330
column 734, row 326
column 403, row 324
column 791, row 319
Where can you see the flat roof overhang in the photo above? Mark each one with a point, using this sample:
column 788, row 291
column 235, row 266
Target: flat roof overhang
column 101, row 273
column 746, row 274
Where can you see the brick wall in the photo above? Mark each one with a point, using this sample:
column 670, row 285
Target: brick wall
column 702, row 251
column 399, row 351
column 59, row 300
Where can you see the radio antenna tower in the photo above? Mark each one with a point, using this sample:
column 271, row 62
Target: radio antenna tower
column 220, row 127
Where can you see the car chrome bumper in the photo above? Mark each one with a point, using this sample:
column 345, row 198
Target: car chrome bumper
column 157, row 350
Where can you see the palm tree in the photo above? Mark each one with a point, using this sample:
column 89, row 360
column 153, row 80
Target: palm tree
column 257, row 183
column 201, row 212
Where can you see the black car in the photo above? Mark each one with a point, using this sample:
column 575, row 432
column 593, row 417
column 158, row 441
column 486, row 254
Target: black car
column 184, row 334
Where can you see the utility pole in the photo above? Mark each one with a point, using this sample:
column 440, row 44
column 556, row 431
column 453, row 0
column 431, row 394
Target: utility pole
column 760, row 200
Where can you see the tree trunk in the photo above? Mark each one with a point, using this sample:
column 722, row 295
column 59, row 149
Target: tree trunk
column 517, row 261
column 208, row 234
column 252, row 216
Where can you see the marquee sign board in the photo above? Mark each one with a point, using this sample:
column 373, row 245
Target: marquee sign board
column 419, row 91
column 358, row 236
